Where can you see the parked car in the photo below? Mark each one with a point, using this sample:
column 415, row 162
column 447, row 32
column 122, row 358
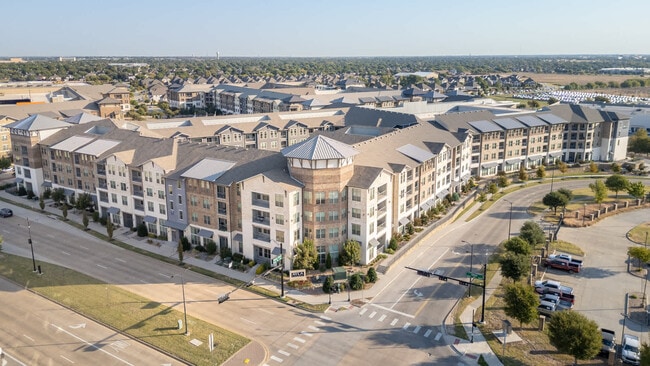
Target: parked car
column 546, row 308
column 566, row 257
column 561, row 264
column 5, row 212
column 563, row 296
column 564, row 305
column 540, row 286
column 630, row 351
column 555, row 299
column 609, row 341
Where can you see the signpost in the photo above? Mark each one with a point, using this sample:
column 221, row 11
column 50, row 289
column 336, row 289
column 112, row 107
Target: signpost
column 477, row 276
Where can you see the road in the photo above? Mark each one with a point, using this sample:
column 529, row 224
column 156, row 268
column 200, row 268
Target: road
column 36, row 331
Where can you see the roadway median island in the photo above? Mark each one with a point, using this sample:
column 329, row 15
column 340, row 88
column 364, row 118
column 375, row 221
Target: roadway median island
column 147, row 321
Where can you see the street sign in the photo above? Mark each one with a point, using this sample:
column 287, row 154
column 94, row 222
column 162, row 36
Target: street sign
column 276, row 260
column 478, row 276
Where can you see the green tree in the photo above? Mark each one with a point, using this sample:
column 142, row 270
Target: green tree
column 64, row 211
column 305, row 255
column 521, row 302
column 566, row 192
column 371, row 276
column 641, row 254
column 645, row 354
column 328, row 285
column 563, row 167
column 502, row 181
column 328, row 261
column 493, row 188
column 573, row 333
column 514, row 266
column 517, row 245
column 84, row 220
column 356, row 282
column 639, row 142
column 552, row 100
column 616, row 168
column 600, row 191
column 41, row 202
column 142, row 230
column 554, row 200
column 522, row 175
column 58, row 195
column 83, row 201
column 541, row 172
column 5, row 163
column 186, row 244
column 211, row 247
column 636, row 189
column 351, row 253
column 109, row 228
column 593, row 167
column 617, row 183
column 179, row 250
column 532, row 233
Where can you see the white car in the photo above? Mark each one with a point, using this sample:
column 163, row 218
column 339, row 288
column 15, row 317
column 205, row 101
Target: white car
column 630, row 352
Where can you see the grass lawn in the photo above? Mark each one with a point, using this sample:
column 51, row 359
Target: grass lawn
column 146, row 320
column 640, row 233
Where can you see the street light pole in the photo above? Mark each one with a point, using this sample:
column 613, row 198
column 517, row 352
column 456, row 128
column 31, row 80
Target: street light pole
column 471, row 265
column 348, row 276
column 29, row 240
column 584, row 213
column 484, row 287
column 183, row 291
column 510, row 219
column 281, row 272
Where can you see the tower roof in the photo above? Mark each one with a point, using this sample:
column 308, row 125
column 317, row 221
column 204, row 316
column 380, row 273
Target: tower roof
column 319, row 148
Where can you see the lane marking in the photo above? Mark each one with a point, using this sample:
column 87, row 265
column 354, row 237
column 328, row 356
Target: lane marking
column 82, row 247
column 393, row 322
column 294, row 346
column 320, row 322
column 372, row 315
column 28, row 337
column 325, row 318
column 91, row 345
column 381, row 319
column 145, row 282
column 394, row 311
column 417, row 329
column 100, row 266
column 363, row 311
column 282, row 352
column 246, row 320
column 164, row 275
column 427, row 333
column 120, row 260
column 66, row 253
column 306, row 334
column 265, row 311
column 438, row 336
column 276, row 358
column 418, row 279
column 67, row 359
column 299, row 340
column 313, row 328
column 406, row 326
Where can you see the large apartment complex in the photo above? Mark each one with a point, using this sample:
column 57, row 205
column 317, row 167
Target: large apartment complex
column 365, row 176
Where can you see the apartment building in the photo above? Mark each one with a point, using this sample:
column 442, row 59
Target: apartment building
column 5, row 136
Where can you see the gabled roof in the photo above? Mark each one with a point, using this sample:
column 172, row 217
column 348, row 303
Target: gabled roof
column 37, row 122
column 208, row 169
column 319, row 148
column 364, row 176
column 82, row 118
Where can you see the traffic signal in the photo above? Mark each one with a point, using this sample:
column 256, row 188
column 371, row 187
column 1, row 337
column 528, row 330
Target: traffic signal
column 442, row 278
column 424, row 273
column 223, row 298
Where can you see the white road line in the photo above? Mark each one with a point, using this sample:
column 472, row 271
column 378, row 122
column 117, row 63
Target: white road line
column 91, row 345
column 82, row 247
column 66, row 253
column 306, row 334
column 325, row 318
column 381, row 319
column 427, row 333
column 265, row 311
column 67, row 359
column 100, row 266
column 284, row 353
column 363, row 311
column 372, row 315
column 276, row 359
column 417, row 329
column 28, row 337
column 394, row 311
column 406, row 326
column 164, row 275
column 316, row 329
column 294, row 346
column 246, row 320
column 419, row 277
column 299, row 340
column 145, row 282
column 393, row 322
column 438, row 336
column 320, row 322
column 120, row 260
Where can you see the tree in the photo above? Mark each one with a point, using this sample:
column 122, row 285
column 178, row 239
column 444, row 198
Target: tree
column 211, row 247
column 493, row 188
column 600, row 191
column 616, row 168
column 541, row 172
column 328, row 284
column 305, row 255
column 517, row 245
column 186, row 244
column 179, row 250
column 636, row 189
column 351, row 253
column 566, row 192
column 552, row 100
column 64, row 211
column 58, row 195
column 109, row 228
column 328, row 261
column 502, row 181
column 532, row 233
column 641, row 254
column 645, row 354
column 554, row 200
column 573, row 333
column 5, row 163
column 521, row 302
column 41, row 202
column 356, row 282
column 83, row 201
column 84, row 220
column 514, row 266
column 523, row 175
column 617, row 183
column 371, row 276
column 563, row 167
column 593, row 167
column 142, row 230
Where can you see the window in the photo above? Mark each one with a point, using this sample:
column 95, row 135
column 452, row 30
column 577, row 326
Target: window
column 123, row 186
column 334, row 197
column 113, row 184
column 125, row 200
column 150, row 206
column 149, row 192
column 306, row 197
column 279, row 200
column 356, row 195
column 333, row 215
column 113, row 198
column 356, row 229
column 180, row 215
column 320, row 216
column 180, row 199
column 334, row 232
column 194, row 217
column 161, row 194
column 308, row 216
column 279, row 219
column 206, row 203
column 320, row 198
column 162, row 209
column 320, row 233
column 279, row 236
column 206, row 219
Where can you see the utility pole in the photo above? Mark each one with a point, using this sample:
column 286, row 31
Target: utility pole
column 29, row 240
column 281, row 271
column 484, row 286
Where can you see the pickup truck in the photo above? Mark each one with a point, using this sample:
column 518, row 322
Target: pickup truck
column 567, row 257
column 609, row 341
column 541, row 286
column 563, row 296
column 561, row 264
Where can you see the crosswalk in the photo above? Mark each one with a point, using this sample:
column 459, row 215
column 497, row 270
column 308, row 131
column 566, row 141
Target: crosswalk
column 301, row 338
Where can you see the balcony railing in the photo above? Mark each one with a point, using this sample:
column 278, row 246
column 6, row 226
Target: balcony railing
column 262, row 237
column 138, row 193
column 261, row 203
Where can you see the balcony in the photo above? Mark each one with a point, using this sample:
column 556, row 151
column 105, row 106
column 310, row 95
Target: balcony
column 261, row 203
column 222, row 211
column 101, row 171
column 138, row 193
column 262, row 237
column 260, row 217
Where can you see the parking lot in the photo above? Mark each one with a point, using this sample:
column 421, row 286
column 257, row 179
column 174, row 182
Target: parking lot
column 604, row 281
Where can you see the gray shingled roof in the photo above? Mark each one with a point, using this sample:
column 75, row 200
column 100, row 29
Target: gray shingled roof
column 364, row 176
column 508, row 123
column 319, row 148
column 37, row 122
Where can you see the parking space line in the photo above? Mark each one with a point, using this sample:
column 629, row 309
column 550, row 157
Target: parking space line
column 285, row 353
column 427, row 333
column 406, row 326
column 381, row 319
column 276, row 359
column 417, row 329
column 372, row 315
column 393, row 322
column 294, row 346
column 363, row 311
column 299, row 340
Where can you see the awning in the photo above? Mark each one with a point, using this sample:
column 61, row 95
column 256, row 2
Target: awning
column 47, row 184
column 237, row 238
column 113, row 210
column 70, row 192
column 175, row 224
column 276, row 251
column 403, row 221
column 513, row 161
column 149, row 219
column 205, row 233
column 489, row 165
column 442, row 193
column 373, row 243
column 534, row 158
column 424, row 206
column 556, row 154
column 19, row 180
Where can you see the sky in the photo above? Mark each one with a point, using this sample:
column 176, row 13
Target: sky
column 319, row 28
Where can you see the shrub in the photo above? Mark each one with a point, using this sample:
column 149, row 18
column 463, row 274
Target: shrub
column 103, row 220
column 211, row 247
column 96, row 216
column 356, row 281
column 47, row 194
column 199, row 248
column 417, row 221
column 30, row 194
column 262, row 267
column 392, row 245
column 371, row 276
column 328, row 261
column 225, row 252
column 22, row 191
column 142, row 230
column 186, row 244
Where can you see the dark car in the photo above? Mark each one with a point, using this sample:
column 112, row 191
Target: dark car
column 5, row 212
column 562, row 264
